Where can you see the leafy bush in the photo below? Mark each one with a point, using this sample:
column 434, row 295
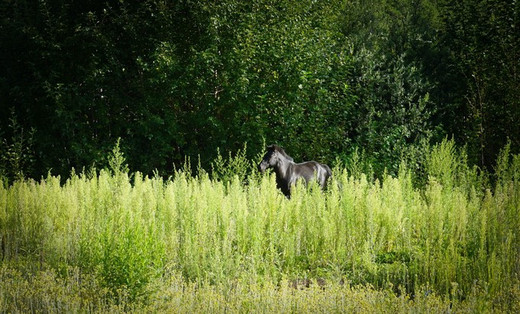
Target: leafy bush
column 16, row 153
column 238, row 166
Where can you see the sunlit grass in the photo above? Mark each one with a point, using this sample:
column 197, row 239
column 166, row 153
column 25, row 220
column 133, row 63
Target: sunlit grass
column 113, row 241
column 46, row 291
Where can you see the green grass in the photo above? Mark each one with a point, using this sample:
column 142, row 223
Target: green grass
column 110, row 241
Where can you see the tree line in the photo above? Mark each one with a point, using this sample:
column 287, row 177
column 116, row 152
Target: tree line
column 327, row 80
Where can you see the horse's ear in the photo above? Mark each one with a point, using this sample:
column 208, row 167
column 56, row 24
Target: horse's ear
column 277, row 148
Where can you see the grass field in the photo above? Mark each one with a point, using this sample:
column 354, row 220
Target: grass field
column 113, row 241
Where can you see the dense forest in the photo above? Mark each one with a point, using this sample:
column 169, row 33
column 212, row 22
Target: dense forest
column 327, row 80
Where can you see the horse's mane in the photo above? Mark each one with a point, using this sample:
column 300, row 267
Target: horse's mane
column 280, row 150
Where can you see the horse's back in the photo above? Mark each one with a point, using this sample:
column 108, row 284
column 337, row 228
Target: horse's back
column 311, row 170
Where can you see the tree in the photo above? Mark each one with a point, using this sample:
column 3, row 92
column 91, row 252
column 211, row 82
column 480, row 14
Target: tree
column 393, row 112
column 174, row 79
column 482, row 43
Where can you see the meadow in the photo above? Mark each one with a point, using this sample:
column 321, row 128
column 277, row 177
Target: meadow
column 229, row 241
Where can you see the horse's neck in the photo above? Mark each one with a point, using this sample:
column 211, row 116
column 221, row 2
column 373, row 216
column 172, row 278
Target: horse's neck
column 282, row 167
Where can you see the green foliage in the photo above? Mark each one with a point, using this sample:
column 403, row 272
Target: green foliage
column 393, row 112
column 45, row 291
column 116, row 160
column 149, row 241
column 16, row 154
column 239, row 166
column 206, row 75
column 480, row 42
column 321, row 78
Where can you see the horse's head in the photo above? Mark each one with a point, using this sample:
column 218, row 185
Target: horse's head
column 272, row 157
column 269, row 160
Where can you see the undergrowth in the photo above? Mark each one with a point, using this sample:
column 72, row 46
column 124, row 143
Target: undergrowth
column 115, row 240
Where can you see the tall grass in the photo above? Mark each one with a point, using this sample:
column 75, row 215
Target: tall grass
column 132, row 239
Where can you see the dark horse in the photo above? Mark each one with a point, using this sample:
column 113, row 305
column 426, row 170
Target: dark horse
column 288, row 172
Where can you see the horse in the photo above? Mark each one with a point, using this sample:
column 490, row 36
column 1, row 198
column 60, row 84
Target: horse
column 288, row 172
